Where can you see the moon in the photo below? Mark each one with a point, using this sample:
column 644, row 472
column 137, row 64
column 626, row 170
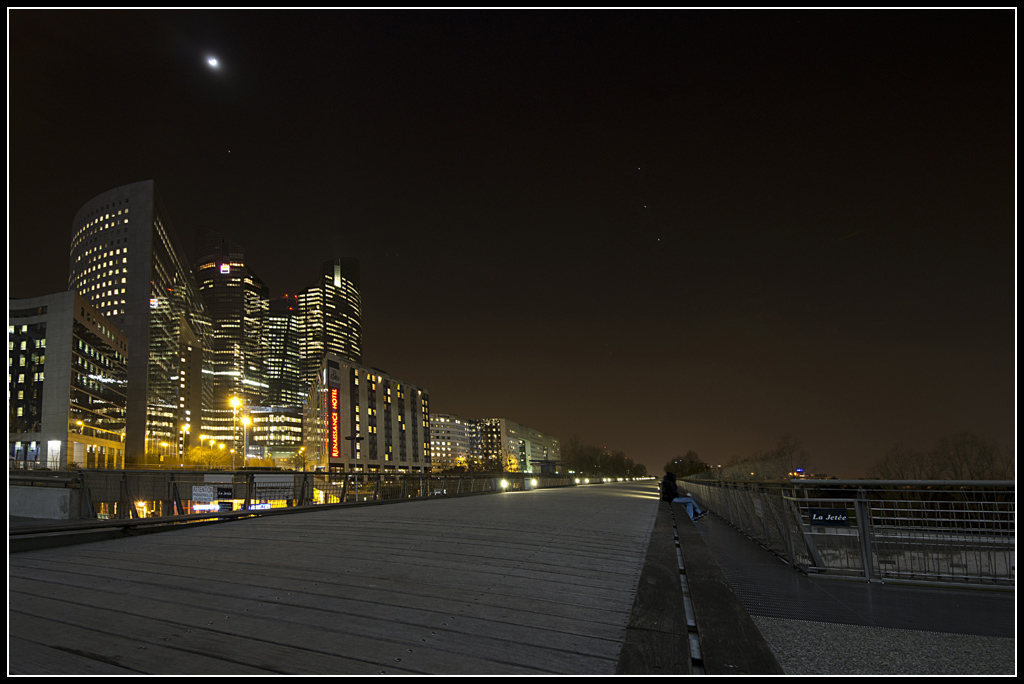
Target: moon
column 212, row 61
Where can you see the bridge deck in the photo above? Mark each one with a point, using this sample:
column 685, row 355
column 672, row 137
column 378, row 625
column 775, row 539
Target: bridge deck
column 520, row 583
column 534, row 582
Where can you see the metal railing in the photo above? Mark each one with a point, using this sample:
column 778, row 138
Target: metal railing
column 948, row 532
column 137, row 494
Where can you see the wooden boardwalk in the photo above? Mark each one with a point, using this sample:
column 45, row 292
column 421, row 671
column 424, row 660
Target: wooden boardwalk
column 538, row 582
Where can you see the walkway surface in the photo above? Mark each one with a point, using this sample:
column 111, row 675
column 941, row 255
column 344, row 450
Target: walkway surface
column 538, row 582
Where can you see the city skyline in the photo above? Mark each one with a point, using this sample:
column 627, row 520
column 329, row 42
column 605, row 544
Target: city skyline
column 659, row 231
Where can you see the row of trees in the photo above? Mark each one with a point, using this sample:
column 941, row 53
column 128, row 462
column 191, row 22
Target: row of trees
column 591, row 460
column 787, row 455
column 963, row 456
column 505, row 462
column 212, row 457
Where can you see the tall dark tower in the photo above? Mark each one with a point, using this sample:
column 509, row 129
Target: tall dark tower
column 282, row 349
column 331, row 311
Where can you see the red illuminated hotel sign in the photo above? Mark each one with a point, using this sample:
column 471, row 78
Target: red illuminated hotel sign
column 334, row 447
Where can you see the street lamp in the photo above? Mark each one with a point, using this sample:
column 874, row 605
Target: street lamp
column 235, row 404
column 245, row 438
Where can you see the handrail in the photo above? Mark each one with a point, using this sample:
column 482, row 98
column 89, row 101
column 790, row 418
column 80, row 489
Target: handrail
column 958, row 532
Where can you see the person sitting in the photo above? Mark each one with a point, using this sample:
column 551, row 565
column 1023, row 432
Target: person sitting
column 670, row 492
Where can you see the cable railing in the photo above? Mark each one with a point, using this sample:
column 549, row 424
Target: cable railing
column 942, row 531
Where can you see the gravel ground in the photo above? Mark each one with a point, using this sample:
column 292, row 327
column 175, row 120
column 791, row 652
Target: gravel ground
column 804, row 648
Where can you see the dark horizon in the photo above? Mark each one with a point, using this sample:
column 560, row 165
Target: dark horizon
column 656, row 230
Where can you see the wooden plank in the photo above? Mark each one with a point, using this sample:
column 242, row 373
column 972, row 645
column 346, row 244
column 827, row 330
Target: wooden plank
column 136, row 655
column 656, row 640
column 518, row 584
column 361, row 618
column 532, row 614
column 36, row 659
column 730, row 642
column 274, row 642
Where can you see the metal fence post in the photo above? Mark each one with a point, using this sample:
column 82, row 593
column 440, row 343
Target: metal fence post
column 176, row 507
column 85, row 500
column 864, row 531
column 125, row 499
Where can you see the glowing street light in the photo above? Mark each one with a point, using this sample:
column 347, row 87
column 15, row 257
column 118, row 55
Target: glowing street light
column 235, row 404
column 245, row 438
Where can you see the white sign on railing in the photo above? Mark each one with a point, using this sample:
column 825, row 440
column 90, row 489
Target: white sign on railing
column 274, row 486
column 204, row 493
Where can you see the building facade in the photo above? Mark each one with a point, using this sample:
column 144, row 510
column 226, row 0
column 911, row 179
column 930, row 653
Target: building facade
column 361, row 419
column 518, row 448
column 67, row 384
column 331, row 313
column 282, row 346
column 127, row 261
column 236, row 302
column 455, row 443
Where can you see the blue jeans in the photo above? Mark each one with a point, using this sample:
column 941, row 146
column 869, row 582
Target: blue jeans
column 692, row 508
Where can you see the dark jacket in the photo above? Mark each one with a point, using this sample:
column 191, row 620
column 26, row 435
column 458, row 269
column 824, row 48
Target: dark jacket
column 669, row 490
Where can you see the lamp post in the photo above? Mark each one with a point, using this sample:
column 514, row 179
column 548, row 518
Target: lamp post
column 235, row 404
column 245, row 438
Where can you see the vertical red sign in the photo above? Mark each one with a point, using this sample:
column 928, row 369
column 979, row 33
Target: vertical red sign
column 335, row 448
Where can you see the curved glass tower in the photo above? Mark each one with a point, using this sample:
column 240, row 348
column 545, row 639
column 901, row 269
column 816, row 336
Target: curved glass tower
column 127, row 261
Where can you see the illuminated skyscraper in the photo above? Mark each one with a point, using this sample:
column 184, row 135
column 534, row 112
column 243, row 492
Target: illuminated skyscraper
column 331, row 312
column 127, row 261
column 282, row 353
column 236, row 302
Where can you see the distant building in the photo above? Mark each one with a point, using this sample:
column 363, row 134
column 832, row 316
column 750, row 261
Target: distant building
column 127, row 261
column 277, row 425
column 67, row 381
column 518, row 448
column 331, row 313
column 236, row 302
column 276, row 433
column 454, row 442
column 361, row 419
column 282, row 346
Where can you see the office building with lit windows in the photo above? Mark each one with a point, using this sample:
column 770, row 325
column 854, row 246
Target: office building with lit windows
column 454, row 443
column 235, row 300
column 127, row 261
column 277, row 425
column 67, row 380
column 282, row 345
column 361, row 419
column 518, row 448
column 331, row 312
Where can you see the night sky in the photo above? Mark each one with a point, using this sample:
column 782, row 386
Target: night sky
column 659, row 231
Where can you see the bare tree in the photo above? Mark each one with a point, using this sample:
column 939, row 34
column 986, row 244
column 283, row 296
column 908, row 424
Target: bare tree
column 967, row 456
column 963, row 456
column 901, row 463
